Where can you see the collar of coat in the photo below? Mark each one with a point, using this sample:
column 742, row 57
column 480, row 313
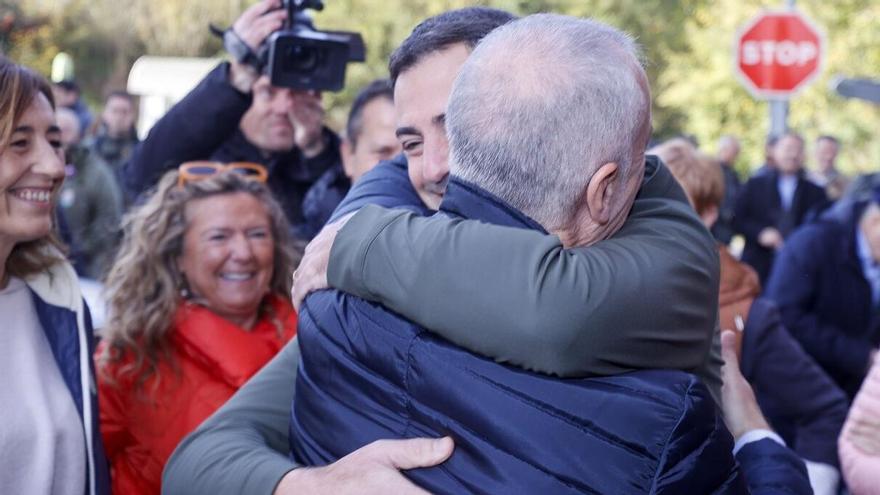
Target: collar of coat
column 228, row 351
column 58, row 285
column 463, row 199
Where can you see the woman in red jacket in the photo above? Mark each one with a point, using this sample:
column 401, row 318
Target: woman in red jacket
column 198, row 303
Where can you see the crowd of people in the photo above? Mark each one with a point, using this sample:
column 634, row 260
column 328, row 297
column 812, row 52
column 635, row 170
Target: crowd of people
column 492, row 281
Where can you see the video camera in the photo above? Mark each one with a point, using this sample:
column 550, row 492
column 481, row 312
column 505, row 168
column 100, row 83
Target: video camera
column 299, row 56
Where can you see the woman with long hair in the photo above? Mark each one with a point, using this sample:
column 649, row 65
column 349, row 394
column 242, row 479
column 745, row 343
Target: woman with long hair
column 49, row 441
column 197, row 303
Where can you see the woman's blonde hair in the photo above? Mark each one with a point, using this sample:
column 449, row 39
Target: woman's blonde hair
column 144, row 284
column 20, row 86
column 699, row 175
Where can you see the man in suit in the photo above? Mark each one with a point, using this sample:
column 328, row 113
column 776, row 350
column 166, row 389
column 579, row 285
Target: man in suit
column 771, row 206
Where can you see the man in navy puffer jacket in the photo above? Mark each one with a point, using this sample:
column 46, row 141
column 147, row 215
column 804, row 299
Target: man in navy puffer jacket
column 367, row 374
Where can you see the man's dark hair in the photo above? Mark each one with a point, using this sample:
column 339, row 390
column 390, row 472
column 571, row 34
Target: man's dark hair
column 68, row 85
column 828, row 137
column 468, row 25
column 380, row 88
column 118, row 93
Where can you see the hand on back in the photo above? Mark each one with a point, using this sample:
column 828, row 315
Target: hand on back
column 373, row 469
column 312, row 272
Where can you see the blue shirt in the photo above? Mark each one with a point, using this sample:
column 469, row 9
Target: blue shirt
column 787, row 185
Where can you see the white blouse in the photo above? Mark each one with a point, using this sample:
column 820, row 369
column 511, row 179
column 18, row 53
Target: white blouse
column 42, row 442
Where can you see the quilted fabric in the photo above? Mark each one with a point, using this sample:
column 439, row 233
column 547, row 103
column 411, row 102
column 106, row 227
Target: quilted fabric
column 367, row 374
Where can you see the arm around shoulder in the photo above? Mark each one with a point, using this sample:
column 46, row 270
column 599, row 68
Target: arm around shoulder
column 549, row 295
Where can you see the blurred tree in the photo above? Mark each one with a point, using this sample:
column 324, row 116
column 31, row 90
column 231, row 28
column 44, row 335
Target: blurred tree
column 688, row 48
column 700, row 81
column 14, row 24
column 655, row 24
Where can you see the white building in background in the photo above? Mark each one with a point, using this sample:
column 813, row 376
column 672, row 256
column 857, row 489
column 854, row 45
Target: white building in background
column 160, row 82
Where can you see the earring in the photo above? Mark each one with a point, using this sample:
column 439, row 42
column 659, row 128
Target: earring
column 184, row 288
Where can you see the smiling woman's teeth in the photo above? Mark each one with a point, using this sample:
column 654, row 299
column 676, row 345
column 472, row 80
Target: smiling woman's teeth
column 235, row 276
column 34, row 195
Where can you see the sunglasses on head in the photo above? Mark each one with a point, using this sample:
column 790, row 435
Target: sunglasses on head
column 199, row 170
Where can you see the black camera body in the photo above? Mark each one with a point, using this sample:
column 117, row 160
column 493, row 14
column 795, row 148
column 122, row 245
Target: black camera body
column 302, row 57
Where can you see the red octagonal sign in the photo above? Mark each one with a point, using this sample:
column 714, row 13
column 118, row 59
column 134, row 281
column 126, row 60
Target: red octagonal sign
column 778, row 53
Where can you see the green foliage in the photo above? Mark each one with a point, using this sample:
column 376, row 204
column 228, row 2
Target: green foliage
column 688, row 48
column 700, row 81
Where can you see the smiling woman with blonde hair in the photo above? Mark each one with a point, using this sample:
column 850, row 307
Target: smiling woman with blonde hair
column 197, row 304
column 48, row 423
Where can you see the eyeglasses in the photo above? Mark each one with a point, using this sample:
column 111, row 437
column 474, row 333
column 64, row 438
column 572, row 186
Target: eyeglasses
column 199, row 170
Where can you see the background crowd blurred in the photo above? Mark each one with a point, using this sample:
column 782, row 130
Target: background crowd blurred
column 682, row 38
column 195, row 228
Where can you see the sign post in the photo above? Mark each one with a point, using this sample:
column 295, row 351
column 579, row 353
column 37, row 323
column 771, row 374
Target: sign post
column 777, row 54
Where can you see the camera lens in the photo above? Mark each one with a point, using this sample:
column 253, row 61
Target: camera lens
column 302, row 58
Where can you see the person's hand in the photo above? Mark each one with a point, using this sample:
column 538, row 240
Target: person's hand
column 373, row 469
column 864, row 433
column 307, row 117
column 738, row 404
column 253, row 26
column 770, row 238
column 311, row 275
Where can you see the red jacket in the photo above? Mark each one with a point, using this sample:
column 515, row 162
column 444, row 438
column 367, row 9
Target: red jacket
column 211, row 359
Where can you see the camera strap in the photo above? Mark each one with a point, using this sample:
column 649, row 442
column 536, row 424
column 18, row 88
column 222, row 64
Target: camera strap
column 237, row 48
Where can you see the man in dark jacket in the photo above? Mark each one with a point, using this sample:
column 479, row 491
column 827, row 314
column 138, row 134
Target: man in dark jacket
column 827, row 286
column 772, row 205
column 115, row 138
column 235, row 114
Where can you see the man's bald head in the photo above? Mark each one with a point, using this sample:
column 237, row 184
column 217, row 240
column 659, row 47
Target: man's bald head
column 541, row 105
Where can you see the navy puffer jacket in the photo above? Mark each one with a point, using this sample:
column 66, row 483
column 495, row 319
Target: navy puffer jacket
column 367, row 374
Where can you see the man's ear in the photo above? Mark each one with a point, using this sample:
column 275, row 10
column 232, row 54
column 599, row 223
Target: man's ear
column 347, row 152
column 600, row 192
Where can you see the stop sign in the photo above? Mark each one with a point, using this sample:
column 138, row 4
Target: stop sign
column 778, row 53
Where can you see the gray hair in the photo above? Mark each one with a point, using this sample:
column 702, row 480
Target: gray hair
column 540, row 104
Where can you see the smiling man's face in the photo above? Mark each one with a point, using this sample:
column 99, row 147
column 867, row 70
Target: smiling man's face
column 420, row 96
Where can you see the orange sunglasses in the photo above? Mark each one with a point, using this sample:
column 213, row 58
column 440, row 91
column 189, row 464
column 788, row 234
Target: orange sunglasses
column 199, row 170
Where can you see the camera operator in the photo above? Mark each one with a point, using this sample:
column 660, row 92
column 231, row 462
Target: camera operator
column 235, row 114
